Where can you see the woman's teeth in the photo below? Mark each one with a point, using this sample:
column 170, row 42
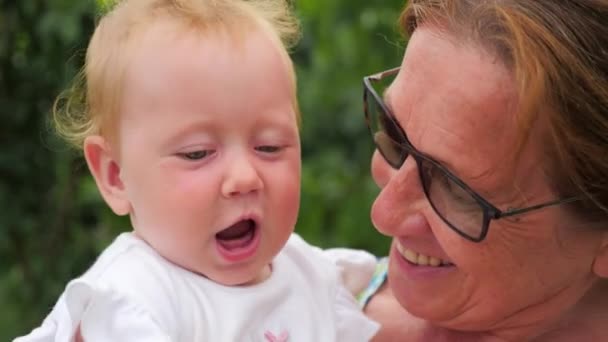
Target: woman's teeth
column 421, row 259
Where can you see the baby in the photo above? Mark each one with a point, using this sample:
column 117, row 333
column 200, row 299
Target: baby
column 189, row 125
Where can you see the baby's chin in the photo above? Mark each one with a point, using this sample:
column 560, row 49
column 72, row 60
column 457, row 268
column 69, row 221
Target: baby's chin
column 237, row 278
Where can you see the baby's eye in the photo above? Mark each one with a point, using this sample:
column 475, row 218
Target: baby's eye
column 268, row 148
column 196, row 155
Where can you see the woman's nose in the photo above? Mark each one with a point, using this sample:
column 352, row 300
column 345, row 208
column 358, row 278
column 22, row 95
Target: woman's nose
column 400, row 197
column 242, row 177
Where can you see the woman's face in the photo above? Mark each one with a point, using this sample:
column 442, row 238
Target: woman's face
column 457, row 105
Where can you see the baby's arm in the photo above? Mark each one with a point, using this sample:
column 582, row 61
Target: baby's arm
column 356, row 267
column 351, row 270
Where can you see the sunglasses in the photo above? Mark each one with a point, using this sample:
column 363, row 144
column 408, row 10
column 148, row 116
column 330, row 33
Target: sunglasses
column 459, row 206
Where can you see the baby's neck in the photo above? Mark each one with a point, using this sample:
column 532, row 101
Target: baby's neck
column 261, row 276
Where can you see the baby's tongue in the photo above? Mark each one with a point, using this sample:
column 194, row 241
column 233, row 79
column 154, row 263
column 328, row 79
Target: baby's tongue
column 237, row 235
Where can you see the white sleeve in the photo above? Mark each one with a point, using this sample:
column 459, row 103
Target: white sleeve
column 351, row 270
column 44, row 333
column 106, row 315
column 356, row 267
column 351, row 323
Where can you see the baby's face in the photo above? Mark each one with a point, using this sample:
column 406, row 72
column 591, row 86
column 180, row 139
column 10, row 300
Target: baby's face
column 209, row 151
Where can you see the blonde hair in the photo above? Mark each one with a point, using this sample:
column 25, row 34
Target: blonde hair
column 558, row 53
column 91, row 104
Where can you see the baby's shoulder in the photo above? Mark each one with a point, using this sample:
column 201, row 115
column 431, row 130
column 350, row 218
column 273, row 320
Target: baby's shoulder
column 128, row 277
column 128, row 261
column 308, row 260
column 350, row 267
column 130, row 268
column 300, row 251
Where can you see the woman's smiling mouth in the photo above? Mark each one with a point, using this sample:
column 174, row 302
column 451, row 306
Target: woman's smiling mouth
column 420, row 259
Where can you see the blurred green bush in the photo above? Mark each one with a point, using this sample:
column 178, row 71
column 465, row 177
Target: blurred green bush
column 53, row 223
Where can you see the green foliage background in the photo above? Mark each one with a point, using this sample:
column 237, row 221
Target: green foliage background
column 52, row 221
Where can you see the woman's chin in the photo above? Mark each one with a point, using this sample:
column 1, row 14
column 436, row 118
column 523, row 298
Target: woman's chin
column 428, row 301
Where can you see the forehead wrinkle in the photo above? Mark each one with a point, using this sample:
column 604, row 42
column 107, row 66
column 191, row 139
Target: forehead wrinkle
column 416, row 126
column 457, row 104
column 442, row 135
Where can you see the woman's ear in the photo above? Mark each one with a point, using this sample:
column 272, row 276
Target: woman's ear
column 106, row 172
column 600, row 264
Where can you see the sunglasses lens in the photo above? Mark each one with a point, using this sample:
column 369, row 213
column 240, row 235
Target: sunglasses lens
column 454, row 204
column 385, row 132
column 389, row 149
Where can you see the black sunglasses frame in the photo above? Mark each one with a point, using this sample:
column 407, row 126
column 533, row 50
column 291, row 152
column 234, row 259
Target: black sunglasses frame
column 490, row 211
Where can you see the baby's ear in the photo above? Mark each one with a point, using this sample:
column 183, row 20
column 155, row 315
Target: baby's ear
column 106, row 172
column 600, row 264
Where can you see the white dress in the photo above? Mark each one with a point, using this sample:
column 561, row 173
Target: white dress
column 131, row 293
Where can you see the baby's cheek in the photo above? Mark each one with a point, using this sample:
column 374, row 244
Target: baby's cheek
column 291, row 205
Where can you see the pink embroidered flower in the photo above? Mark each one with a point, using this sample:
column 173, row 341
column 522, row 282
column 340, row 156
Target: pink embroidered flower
column 270, row 337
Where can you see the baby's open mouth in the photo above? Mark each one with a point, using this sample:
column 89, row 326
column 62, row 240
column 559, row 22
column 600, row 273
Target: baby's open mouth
column 238, row 235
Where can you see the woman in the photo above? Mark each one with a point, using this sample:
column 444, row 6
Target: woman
column 491, row 141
